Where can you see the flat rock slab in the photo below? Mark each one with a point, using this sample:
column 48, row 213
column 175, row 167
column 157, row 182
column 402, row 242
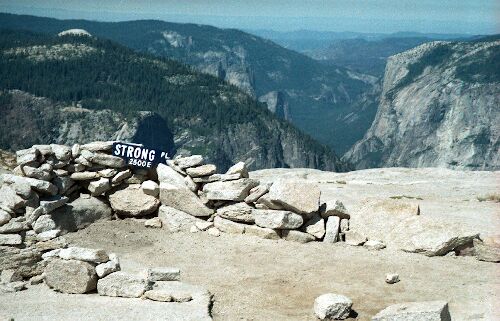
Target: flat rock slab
column 175, row 220
column 43, row 187
column 239, row 212
column 421, row 311
column 70, row 276
column 84, row 254
column 133, row 202
column 122, row 284
column 183, row 199
column 277, row 219
column 230, row 190
column 298, row 196
column 89, row 307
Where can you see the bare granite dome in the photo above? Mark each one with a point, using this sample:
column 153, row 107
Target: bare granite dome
column 74, row 32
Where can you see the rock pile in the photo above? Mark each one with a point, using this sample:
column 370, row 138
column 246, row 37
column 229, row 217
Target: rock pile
column 195, row 198
column 83, row 270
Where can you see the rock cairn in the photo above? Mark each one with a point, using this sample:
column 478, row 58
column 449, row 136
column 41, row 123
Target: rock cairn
column 57, row 189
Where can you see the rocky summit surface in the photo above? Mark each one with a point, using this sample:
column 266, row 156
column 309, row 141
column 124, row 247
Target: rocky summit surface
column 439, row 108
column 380, row 243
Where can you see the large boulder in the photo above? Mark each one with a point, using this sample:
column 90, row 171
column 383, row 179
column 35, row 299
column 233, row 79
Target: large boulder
column 331, row 306
column 297, row 196
column 81, row 213
column 131, row 201
column 421, row 311
column 122, row 284
column 277, row 219
column 183, row 199
column 236, row 190
column 70, row 276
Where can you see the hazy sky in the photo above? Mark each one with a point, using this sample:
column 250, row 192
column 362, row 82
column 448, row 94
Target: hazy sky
column 441, row 16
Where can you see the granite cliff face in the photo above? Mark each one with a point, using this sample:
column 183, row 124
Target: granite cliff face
column 439, row 108
column 40, row 121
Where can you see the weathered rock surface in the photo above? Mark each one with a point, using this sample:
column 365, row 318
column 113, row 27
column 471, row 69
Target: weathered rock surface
column 109, row 267
column 84, row 254
column 297, row 236
column 315, row 226
column 300, row 197
column 256, row 192
column 262, row 232
column 81, row 213
column 175, row 220
column 228, row 226
column 122, row 284
column 183, row 292
column 354, row 238
column 70, row 276
column 332, row 306
column 240, row 169
column 162, row 274
column 332, row 229
column 10, row 239
column 230, row 190
column 277, row 219
column 108, row 160
column 99, row 186
column 421, row 311
column 392, row 278
column 487, row 250
column 24, row 261
column 239, row 212
column 190, row 161
column 203, row 170
column 131, row 201
column 334, row 208
column 183, row 199
column 150, row 188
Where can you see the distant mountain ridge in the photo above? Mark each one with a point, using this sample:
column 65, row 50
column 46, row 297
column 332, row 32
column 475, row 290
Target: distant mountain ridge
column 79, row 88
column 440, row 107
column 318, row 98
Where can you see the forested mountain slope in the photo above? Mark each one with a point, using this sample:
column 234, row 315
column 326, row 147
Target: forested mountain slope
column 332, row 104
column 203, row 114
